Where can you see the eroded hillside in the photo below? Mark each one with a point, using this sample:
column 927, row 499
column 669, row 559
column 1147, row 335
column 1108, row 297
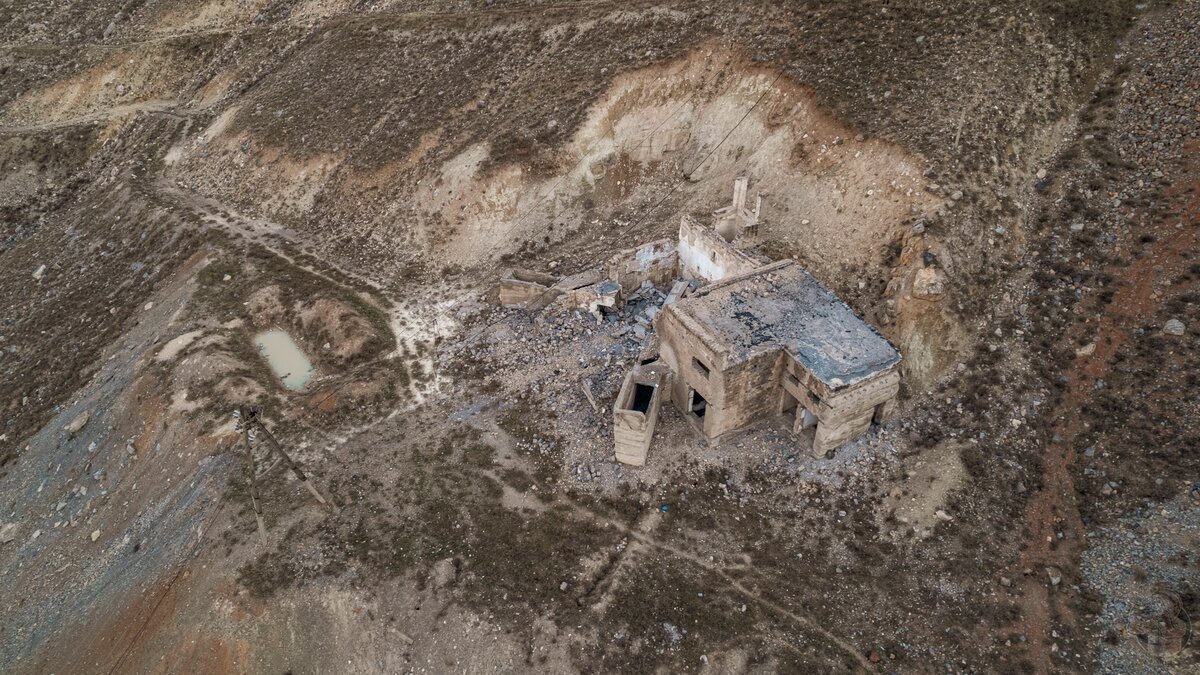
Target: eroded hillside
column 1007, row 191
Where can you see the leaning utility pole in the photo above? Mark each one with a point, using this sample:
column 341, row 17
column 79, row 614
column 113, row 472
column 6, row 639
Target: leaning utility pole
column 251, row 469
column 249, row 422
column 292, row 465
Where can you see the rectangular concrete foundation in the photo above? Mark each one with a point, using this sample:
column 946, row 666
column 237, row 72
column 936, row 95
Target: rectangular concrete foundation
column 636, row 412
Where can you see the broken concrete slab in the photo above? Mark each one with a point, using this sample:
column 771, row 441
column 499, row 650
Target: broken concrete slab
column 677, row 291
column 581, row 279
column 517, row 293
column 602, row 294
column 587, row 392
column 521, row 274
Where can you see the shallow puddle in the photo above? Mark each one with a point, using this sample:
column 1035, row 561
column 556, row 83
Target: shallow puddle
column 285, row 358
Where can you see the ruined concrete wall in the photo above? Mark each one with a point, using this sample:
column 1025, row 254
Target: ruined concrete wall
column 811, row 392
column 833, row 434
column 847, row 412
column 868, row 393
column 752, row 391
column 704, row 255
column 633, row 430
column 521, row 286
column 513, row 292
column 679, row 346
column 603, row 294
column 654, row 262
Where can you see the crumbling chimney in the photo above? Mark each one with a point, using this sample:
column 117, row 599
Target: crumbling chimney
column 739, row 193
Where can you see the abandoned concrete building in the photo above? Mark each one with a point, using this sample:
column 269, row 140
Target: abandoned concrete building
column 737, row 339
column 775, row 340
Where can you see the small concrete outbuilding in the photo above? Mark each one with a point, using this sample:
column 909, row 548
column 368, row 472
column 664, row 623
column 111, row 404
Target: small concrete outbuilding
column 636, row 411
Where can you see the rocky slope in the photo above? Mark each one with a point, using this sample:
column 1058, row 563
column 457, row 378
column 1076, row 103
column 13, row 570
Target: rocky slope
column 1007, row 190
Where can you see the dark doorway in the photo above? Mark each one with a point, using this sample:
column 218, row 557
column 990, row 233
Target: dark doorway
column 697, row 405
column 642, row 395
column 789, row 403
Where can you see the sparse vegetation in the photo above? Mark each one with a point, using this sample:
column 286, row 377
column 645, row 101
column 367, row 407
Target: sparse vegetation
column 342, row 171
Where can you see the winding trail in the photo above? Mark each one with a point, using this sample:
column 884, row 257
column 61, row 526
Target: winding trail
column 265, row 233
column 313, row 20
column 503, row 441
column 160, row 106
column 1054, row 509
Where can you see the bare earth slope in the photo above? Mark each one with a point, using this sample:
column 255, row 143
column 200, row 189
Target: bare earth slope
column 1007, row 190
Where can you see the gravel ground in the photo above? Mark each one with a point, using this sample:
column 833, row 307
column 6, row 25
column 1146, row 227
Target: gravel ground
column 1144, row 567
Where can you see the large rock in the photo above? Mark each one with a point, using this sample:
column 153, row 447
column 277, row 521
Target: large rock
column 444, row 573
column 1174, row 327
column 78, row 423
column 8, row 532
column 929, row 284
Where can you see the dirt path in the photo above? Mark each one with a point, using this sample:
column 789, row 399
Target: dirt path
column 155, row 38
column 1054, row 509
column 644, row 537
column 649, row 541
column 241, row 28
column 256, row 230
column 152, row 106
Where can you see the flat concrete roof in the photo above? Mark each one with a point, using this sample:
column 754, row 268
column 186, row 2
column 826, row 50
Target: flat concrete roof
column 782, row 305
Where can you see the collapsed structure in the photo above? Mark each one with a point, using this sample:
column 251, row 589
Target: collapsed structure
column 775, row 340
column 739, row 339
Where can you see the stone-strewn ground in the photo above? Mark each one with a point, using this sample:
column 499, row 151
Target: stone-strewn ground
column 357, row 173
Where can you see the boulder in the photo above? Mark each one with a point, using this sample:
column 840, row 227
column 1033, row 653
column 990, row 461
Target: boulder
column 78, row 423
column 1174, row 327
column 929, row 284
column 1055, row 575
column 444, row 573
